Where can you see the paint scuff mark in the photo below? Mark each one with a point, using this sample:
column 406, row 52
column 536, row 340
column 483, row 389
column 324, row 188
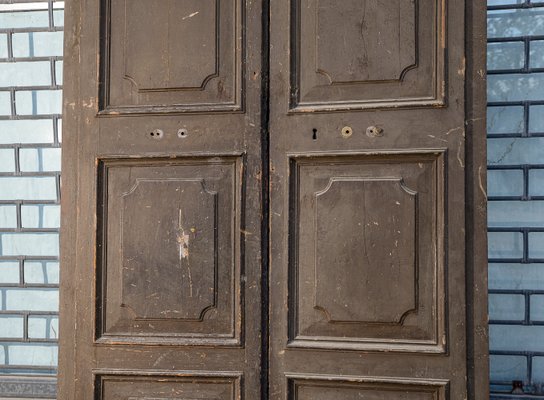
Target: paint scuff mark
column 459, row 154
column 183, row 240
column 183, row 250
column 190, row 15
column 90, row 104
column 462, row 69
column 459, row 128
column 480, row 183
column 161, row 358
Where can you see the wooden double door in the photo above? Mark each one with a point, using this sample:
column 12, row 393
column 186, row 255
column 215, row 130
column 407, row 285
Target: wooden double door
column 275, row 200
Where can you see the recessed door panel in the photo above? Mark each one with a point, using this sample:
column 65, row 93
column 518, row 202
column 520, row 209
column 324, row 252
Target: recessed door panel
column 361, row 227
column 361, row 54
column 172, row 56
column 304, row 387
column 129, row 385
column 170, row 266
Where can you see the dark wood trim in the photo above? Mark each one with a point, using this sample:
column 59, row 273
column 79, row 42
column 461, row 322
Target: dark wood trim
column 69, row 201
column 476, row 206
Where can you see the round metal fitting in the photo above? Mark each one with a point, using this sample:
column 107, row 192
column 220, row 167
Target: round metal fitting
column 347, row 131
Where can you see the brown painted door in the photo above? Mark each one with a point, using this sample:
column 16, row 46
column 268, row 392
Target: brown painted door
column 162, row 200
column 273, row 200
column 370, row 199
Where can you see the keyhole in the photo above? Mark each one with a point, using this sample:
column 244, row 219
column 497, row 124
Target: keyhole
column 314, row 136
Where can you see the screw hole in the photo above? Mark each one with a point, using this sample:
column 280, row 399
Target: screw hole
column 182, row 133
column 156, row 134
column 346, row 131
column 314, row 136
column 374, row 131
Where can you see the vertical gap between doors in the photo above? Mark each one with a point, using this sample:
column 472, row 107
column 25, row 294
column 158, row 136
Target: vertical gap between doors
column 265, row 224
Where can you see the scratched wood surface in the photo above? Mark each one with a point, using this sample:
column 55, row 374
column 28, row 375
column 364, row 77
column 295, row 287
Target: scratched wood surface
column 276, row 200
column 162, row 293
column 369, row 112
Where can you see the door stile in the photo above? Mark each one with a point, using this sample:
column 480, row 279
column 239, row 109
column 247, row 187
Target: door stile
column 476, row 217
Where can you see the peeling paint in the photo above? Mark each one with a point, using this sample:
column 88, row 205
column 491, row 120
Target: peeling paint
column 182, row 240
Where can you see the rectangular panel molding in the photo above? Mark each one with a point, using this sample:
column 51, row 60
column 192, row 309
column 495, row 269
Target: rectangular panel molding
column 169, row 251
column 161, row 56
column 326, row 387
column 167, row 385
column 360, row 54
column 367, row 252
